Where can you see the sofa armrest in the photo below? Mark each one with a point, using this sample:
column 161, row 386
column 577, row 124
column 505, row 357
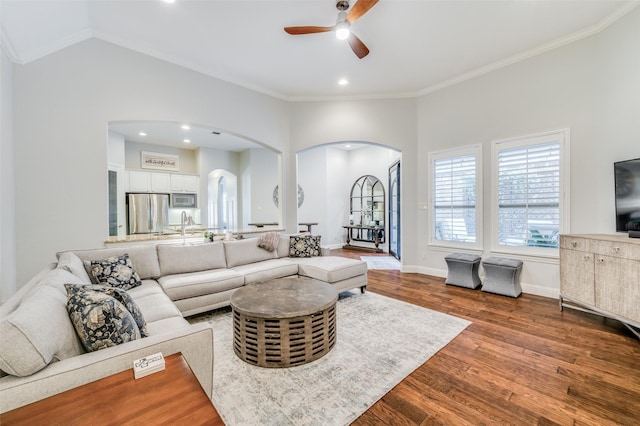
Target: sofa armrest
column 195, row 342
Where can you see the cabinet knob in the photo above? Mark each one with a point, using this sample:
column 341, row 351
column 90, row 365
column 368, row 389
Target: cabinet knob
column 587, row 257
column 574, row 244
column 600, row 260
column 616, row 249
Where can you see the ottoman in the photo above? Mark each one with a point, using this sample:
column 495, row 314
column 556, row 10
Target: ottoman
column 463, row 270
column 502, row 276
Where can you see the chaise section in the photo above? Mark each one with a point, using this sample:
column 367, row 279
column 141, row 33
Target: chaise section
column 339, row 271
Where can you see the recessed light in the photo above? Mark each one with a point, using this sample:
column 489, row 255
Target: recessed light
column 142, row 134
column 347, row 146
column 185, row 127
column 343, row 82
column 186, row 141
column 169, row 1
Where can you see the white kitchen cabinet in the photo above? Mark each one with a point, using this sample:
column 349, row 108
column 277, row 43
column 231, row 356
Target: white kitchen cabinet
column 601, row 274
column 137, row 181
column 160, row 182
column 184, row 183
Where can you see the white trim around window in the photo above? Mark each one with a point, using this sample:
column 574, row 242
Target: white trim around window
column 530, row 193
column 455, row 208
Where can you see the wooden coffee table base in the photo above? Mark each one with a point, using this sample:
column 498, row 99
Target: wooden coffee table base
column 285, row 322
column 284, row 342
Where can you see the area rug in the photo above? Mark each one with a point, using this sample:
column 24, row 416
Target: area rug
column 381, row 262
column 380, row 342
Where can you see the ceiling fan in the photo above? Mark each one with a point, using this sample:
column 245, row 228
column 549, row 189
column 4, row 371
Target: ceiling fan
column 343, row 23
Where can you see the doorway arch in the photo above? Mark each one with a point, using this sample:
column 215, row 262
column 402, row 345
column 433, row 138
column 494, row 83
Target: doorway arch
column 222, row 189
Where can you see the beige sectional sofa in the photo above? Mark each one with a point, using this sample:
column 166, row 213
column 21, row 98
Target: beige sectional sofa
column 40, row 353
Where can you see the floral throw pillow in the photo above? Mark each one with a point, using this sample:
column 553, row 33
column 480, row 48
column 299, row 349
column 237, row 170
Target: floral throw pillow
column 120, row 295
column 116, row 271
column 100, row 320
column 304, row 245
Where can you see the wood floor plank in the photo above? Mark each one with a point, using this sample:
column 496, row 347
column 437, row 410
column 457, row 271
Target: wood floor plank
column 540, row 365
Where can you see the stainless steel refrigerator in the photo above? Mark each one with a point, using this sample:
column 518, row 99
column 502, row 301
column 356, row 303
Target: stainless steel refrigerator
column 147, row 213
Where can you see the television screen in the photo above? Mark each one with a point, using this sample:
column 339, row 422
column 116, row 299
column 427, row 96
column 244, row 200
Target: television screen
column 627, row 178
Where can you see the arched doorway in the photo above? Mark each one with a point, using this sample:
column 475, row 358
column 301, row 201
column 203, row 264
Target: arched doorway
column 222, row 189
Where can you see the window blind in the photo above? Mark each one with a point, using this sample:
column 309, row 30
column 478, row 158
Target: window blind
column 529, row 195
column 454, row 198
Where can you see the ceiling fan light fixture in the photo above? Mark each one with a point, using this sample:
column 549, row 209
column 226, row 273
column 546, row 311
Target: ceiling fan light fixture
column 342, row 33
column 342, row 30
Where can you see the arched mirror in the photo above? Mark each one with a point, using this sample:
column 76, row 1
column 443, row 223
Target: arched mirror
column 367, row 209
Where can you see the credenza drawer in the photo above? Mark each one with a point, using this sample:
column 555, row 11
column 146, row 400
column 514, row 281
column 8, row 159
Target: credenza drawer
column 617, row 249
column 575, row 243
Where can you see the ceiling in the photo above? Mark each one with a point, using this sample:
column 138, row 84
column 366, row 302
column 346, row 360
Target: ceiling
column 416, row 46
column 173, row 134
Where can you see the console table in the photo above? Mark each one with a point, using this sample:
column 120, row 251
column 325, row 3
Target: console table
column 376, row 231
column 170, row 396
column 601, row 274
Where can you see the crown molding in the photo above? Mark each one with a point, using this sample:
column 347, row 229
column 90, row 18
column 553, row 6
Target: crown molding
column 52, row 47
column 587, row 32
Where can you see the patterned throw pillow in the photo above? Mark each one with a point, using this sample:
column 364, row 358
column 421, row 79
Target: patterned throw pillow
column 120, row 295
column 116, row 271
column 304, row 245
column 269, row 241
column 100, row 320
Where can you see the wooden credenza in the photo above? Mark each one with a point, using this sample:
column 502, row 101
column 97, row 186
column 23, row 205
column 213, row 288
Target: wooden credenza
column 601, row 274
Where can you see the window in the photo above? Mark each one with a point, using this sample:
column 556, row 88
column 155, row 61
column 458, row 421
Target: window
column 455, row 218
column 529, row 187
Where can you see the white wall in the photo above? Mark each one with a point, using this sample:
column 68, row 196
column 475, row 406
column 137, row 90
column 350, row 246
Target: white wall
column 591, row 86
column 264, row 178
column 8, row 284
column 62, row 104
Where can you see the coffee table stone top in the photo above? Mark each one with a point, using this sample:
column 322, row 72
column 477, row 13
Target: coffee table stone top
column 284, row 298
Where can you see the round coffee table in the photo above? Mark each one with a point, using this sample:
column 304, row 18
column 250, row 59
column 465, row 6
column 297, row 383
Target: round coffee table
column 284, row 322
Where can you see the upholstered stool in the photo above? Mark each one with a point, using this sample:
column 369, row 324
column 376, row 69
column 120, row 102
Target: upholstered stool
column 463, row 270
column 502, row 276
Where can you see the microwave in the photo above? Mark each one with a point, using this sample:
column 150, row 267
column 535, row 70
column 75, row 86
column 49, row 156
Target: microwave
column 180, row 200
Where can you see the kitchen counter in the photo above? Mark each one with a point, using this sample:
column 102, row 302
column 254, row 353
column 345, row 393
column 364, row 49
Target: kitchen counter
column 191, row 236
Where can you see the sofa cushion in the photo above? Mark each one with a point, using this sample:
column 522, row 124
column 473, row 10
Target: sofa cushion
column 143, row 257
column 37, row 333
column 120, row 295
column 116, row 271
column 100, row 320
column 57, row 278
column 331, row 268
column 267, row 270
column 154, row 304
column 242, row 252
column 72, row 263
column 180, row 259
column 193, row 284
column 283, row 246
column 304, row 245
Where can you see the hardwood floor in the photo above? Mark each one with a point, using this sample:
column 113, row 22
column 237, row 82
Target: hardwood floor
column 521, row 362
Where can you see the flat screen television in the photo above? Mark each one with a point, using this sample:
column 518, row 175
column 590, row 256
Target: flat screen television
column 627, row 179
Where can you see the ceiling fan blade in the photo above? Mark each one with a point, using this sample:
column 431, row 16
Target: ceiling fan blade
column 307, row 30
column 357, row 46
column 360, row 8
